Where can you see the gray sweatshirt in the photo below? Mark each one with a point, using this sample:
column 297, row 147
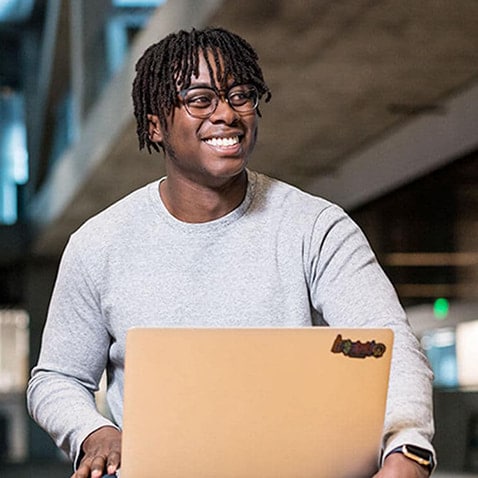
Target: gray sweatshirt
column 282, row 258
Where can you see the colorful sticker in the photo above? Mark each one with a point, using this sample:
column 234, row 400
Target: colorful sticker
column 358, row 349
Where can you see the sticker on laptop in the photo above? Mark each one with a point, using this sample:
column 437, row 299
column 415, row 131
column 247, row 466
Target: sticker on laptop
column 357, row 349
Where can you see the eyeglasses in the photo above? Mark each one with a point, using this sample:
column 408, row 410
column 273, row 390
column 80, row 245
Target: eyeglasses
column 201, row 101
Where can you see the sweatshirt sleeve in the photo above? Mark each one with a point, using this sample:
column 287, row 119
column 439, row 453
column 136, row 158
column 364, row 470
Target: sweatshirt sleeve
column 350, row 289
column 74, row 353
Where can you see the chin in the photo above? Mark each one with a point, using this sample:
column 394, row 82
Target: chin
column 225, row 172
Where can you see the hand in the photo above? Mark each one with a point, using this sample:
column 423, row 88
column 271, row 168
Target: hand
column 398, row 466
column 102, row 454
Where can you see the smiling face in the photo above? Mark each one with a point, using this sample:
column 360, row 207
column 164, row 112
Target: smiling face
column 210, row 151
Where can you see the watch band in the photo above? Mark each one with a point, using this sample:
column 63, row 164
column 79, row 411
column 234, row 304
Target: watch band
column 419, row 455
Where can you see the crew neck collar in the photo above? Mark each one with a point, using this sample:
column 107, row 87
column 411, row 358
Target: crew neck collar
column 221, row 222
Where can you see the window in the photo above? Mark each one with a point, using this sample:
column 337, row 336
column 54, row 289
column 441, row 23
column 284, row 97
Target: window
column 13, row 154
column 128, row 18
column 14, row 345
column 14, row 367
column 440, row 347
column 467, row 354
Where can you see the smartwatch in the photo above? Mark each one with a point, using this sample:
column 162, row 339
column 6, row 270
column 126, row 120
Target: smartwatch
column 419, row 455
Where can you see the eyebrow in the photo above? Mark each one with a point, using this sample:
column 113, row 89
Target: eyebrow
column 201, row 85
column 211, row 87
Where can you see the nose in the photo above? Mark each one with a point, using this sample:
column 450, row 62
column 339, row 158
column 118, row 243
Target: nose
column 224, row 113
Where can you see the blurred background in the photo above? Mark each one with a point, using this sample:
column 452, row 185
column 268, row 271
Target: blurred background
column 375, row 107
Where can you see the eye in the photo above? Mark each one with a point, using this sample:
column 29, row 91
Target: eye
column 199, row 99
column 241, row 95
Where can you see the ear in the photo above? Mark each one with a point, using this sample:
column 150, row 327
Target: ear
column 154, row 129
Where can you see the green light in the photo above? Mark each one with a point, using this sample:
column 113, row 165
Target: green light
column 441, row 308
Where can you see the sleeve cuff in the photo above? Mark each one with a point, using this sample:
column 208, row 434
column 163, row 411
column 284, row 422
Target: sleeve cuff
column 398, row 442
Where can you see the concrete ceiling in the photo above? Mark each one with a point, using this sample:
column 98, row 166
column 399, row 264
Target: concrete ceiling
column 346, row 76
column 346, row 73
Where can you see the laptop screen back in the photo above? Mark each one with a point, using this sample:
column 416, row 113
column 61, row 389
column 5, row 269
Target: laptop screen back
column 278, row 403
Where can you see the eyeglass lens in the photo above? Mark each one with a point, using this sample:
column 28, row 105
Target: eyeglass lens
column 201, row 102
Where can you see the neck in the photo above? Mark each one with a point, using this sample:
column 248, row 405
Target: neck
column 195, row 203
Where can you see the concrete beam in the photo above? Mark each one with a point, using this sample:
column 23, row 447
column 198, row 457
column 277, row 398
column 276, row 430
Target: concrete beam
column 111, row 116
column 420, row 146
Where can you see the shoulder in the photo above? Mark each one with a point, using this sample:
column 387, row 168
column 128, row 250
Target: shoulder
column 316, row 220
column 275, row 193
column 117, row 222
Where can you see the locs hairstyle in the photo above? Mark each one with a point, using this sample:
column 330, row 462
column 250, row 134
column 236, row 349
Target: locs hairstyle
column 166, row 68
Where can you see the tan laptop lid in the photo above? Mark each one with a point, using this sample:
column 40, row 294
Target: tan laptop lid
column 278, row 403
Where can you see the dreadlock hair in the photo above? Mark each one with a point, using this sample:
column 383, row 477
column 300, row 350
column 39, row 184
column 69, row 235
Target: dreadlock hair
column 167, row 66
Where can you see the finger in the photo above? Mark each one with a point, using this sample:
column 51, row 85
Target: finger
column 113, row 462
column 83, row 471
column 98, row 466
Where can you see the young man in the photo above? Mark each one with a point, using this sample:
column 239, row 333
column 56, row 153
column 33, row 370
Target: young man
column 211, row 244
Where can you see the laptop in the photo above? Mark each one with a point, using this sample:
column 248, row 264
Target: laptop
column 254, row 403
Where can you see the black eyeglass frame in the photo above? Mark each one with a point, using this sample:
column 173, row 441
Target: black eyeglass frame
column 219, row 95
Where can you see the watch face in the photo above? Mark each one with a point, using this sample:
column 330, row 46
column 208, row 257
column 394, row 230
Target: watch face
column 420, row 455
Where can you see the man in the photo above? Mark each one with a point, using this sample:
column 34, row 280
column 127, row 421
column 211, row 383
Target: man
column 211, row 244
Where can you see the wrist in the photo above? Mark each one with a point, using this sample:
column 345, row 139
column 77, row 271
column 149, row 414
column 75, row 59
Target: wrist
column 420, row 456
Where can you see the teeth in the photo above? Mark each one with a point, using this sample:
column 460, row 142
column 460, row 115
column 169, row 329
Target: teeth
column 223, row 141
